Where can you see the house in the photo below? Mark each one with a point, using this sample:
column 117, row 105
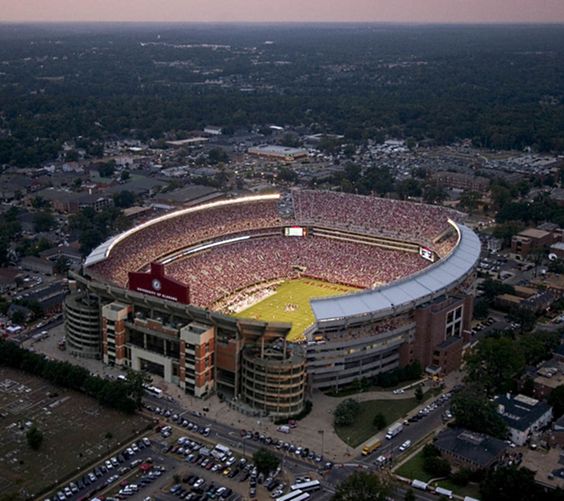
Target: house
column 24, row 311
column 558, row 431
column 9, row 279
column 524, row 416
column 466, row 449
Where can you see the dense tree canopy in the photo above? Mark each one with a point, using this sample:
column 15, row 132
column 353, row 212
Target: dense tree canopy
column 363, row 486
column 438, row 84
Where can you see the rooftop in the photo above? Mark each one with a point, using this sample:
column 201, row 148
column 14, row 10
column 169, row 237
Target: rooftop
column 520, row 412
column 417, row 289
column 476, row 448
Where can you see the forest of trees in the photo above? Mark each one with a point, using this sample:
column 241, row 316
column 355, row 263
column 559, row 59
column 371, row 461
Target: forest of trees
column 493, row 85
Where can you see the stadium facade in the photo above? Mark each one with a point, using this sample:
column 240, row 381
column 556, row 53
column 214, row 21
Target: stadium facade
column 140, row 302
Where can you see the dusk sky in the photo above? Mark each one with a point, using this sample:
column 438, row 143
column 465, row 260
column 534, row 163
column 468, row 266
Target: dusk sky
column 407, row 11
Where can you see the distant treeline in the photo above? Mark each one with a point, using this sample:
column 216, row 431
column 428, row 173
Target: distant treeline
column 124, row 396
column 497, row 86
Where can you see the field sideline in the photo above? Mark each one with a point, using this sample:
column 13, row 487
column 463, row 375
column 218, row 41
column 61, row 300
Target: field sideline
column 290, row 303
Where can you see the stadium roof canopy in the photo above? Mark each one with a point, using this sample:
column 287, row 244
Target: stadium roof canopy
column 103, row 251
column 403, row 294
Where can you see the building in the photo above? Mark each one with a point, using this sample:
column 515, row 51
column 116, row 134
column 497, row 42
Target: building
column 461, row 181
column 148, row 319
column 38, row 265
column 470, row 450
column 524, row 416
column 530, row 240
column 283, row 153
column 189, row 196
column 10, row 278
column 50, row 297
column 558, row 431
column 71, row 202
column 557, row 249
column 213, row 130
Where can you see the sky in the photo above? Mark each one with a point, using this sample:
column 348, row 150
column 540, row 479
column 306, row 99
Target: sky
column 404, row 11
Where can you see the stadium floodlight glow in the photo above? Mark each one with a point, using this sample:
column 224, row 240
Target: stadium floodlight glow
column 202, row 247
column 102, row 252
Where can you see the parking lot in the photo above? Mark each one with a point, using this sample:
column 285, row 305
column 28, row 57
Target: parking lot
column 76, row 431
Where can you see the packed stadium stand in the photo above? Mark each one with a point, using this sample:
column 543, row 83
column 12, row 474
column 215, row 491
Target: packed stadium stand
column 162, row 289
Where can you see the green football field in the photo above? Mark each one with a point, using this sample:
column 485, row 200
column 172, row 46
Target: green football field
column 290, row 303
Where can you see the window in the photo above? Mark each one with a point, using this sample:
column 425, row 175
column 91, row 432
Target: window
column 454, row 322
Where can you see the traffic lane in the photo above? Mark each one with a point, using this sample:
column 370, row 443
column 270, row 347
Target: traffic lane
column 26, row 336
column 414, row 432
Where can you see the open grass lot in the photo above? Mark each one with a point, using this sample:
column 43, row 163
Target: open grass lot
column 363, row 428
column 74, row 428
column 290, row 303
column 413, row 469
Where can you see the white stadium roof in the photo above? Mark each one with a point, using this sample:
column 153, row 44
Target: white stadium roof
column 406, row 293
column 102, row 252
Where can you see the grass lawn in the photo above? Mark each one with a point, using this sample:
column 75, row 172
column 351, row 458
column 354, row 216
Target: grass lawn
column 363, row 428
column 290, row 303
column 414, row 469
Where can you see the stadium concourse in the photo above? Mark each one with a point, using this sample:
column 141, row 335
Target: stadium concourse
column 164, row 293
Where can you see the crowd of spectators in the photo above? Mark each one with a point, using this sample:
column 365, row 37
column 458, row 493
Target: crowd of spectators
column 157, row 240
column 354, row 264
column 214, row 274
column 399, row 219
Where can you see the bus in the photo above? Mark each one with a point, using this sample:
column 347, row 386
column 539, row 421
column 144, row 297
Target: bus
column 313, row 485
column 291, row 496
column 371, row 447
column 302, row 497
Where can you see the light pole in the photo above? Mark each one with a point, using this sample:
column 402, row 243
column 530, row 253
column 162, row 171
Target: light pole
column 322, row 433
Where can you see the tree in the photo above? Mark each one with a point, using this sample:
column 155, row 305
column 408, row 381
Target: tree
column 43, row 221
column 469, row 200
column 408, row 188
column 507, row 230
column 481, row 309
column 419, row 393
column 556, row 400
column 346, row 412
column 124, row 199
column 436, row 466
column 496, row 364
column 266, row 461
column 493, row 288
column 380, row 421
column 409, row 495
column 62, row 265
column 509, row 484
column 217, row 155
column 363, row 486
column 34, row 437
column 473, row 410
column 107, row 169
column 433, row 194
column 125, row 175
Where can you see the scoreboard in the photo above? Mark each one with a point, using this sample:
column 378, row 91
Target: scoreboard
column 295, row 231
column 427, row 254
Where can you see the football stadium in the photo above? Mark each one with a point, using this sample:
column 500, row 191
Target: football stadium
column 265, row 298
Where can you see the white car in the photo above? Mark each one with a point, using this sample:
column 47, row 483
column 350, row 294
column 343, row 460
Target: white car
column 405, row 445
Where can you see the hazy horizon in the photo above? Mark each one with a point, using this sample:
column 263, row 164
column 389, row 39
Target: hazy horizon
column 289, row 11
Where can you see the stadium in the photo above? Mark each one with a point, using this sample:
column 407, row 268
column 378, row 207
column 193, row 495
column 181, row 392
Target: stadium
column 265, row 298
